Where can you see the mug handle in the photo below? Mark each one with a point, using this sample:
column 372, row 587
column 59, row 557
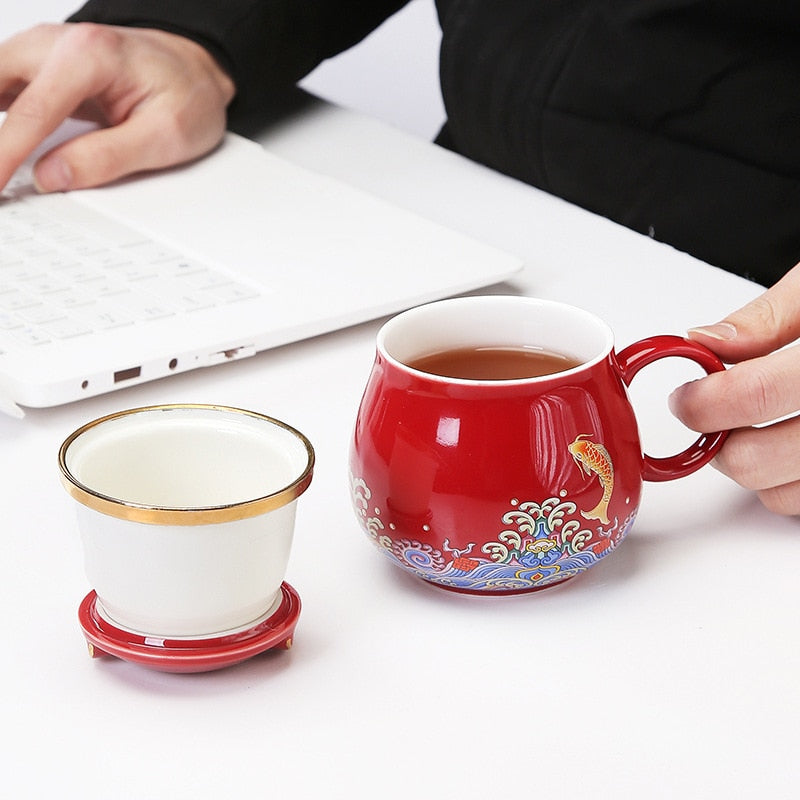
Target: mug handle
column 644, row 352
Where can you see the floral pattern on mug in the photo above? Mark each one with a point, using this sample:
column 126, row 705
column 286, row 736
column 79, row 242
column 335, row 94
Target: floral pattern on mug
column 543, row 543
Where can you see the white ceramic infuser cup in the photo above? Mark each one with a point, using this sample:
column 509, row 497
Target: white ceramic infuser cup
column 186, row 514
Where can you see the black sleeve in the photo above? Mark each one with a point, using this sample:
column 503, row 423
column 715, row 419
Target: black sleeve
column 265, row 45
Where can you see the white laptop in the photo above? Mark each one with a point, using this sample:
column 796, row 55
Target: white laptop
column 191, row 267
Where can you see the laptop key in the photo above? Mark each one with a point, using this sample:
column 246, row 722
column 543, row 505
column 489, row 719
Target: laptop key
column 65, row 329
column 30, row 336
column 9, row 321
column 38, row 315
column 232, row 292
column 101, row 318
column 13, row 301
column 140, row 305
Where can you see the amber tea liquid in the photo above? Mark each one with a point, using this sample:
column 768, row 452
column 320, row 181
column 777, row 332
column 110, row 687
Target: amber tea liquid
column 493, row 363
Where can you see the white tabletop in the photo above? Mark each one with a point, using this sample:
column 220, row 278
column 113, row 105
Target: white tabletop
column 669, row 670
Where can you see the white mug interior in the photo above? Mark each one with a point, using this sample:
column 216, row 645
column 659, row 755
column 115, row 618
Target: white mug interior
column 186, row 457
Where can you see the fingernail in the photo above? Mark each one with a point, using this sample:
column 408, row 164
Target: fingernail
column 673, row 401
column 676, row 401
column 52, row 175
column 723, row 331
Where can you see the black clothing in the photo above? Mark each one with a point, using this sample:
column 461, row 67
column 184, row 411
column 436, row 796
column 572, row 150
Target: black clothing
column 677, row 118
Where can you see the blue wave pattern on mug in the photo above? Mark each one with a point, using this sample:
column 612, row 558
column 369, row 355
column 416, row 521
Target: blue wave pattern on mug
column 544, row 543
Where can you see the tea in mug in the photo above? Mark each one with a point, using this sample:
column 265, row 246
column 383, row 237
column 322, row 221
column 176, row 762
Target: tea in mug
column 493, row 363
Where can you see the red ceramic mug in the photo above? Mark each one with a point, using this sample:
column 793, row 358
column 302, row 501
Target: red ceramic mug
column 510, row 484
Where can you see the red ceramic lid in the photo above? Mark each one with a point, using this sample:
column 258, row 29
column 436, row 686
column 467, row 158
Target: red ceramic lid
column 190, row 655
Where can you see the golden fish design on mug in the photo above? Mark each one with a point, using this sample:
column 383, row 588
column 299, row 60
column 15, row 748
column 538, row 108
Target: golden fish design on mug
column 594, row 458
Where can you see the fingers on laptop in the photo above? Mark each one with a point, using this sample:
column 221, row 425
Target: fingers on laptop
column 161, row 98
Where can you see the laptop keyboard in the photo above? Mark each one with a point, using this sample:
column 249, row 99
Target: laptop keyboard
column 68, row 271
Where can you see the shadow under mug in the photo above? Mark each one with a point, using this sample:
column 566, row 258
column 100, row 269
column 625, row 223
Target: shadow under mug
column 186, row 514
column 506, row 486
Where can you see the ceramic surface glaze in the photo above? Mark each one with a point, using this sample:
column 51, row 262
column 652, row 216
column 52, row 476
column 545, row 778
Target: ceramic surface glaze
column 506, row 486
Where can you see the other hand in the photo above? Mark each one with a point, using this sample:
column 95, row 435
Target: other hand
column 762, row 386
column 161, row 99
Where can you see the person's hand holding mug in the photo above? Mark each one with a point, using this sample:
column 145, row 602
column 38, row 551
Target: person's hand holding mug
column 762, row 386
column 160, row 98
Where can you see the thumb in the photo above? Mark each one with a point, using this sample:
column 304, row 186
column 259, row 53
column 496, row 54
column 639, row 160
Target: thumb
column 92, row 159
column 141, row 143
column 765, row 324
column 53, row 173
